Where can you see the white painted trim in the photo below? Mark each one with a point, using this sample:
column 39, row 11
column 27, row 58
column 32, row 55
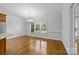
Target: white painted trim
column 73, row 7
column 70, row 50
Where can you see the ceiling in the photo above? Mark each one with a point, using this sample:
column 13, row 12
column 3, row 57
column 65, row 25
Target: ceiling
column 25, row 10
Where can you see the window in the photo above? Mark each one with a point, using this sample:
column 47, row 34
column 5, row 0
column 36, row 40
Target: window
column 32, row 27
column 40, row 27
column 43, row 28
column 37, row 27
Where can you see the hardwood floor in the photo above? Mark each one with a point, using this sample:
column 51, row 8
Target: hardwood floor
column 77, row 41
column 27, row 45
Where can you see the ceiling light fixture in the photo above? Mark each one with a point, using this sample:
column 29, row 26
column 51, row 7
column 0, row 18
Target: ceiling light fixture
column 29, row 18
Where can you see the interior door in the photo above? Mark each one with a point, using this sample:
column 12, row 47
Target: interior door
column 76, row 29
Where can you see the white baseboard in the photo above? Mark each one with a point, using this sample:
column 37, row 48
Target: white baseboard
column 14, row 35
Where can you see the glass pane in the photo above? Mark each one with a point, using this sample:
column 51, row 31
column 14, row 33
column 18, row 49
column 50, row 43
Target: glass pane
column 44, row 28
column 32, row 27
column 37, row 27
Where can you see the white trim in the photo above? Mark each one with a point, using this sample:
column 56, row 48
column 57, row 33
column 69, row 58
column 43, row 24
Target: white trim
column 74, row 6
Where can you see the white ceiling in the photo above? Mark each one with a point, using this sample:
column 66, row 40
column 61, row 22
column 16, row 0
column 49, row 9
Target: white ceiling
column 31, row 9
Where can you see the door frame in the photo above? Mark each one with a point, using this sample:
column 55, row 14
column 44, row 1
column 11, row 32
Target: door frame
column 72, row 19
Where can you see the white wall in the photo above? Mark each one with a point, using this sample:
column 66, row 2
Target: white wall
column 54, row 22
column 15, row 26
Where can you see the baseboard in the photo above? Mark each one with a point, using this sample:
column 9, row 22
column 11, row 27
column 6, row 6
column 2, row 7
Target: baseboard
column 14, row 36
column 45, row 37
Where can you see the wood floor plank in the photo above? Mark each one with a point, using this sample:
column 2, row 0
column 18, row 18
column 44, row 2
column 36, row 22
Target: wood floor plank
column 28, row 45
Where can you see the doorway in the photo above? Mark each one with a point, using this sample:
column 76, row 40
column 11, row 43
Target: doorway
column 76, row 27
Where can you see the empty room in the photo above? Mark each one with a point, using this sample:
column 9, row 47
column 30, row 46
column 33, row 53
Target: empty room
column 39, row 28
